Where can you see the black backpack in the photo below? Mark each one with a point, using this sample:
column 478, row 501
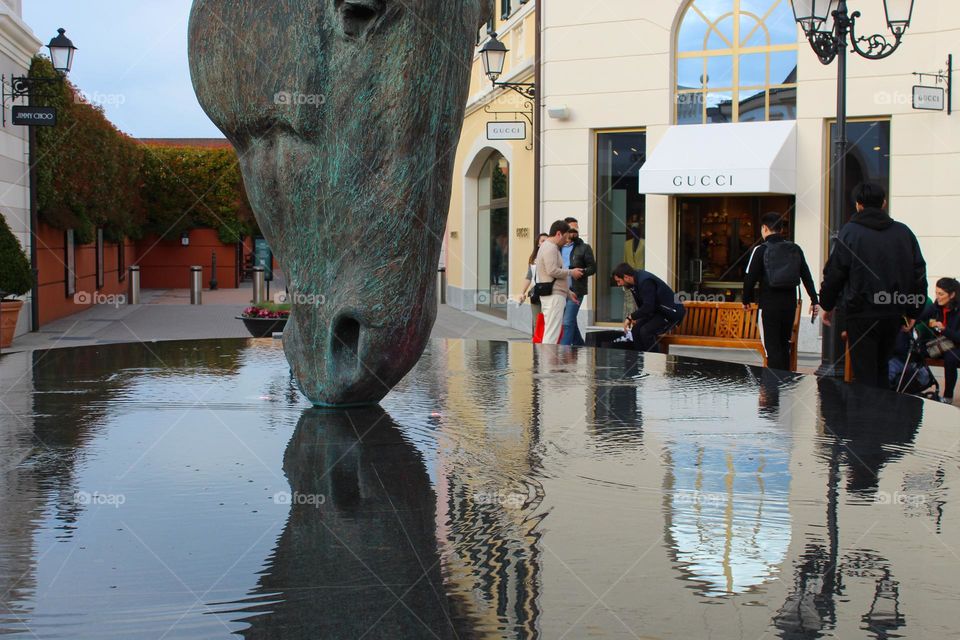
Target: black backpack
column 782, row 262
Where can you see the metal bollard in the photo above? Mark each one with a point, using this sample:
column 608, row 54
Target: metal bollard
column 133, row 284
column 259, row 284
column 196, row 285
column 442, row 285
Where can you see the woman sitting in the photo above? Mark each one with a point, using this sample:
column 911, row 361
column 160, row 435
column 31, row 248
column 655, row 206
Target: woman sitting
column 944, row 318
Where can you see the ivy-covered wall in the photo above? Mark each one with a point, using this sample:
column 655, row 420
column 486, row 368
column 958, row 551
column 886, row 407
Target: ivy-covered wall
column 92, row 175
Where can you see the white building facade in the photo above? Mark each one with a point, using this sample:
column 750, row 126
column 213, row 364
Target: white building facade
column 683, row 121
column 18, row 45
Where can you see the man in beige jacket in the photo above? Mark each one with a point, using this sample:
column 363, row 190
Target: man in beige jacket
column 550, row 269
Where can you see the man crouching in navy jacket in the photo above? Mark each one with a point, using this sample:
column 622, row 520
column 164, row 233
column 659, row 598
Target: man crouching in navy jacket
column 658, row 310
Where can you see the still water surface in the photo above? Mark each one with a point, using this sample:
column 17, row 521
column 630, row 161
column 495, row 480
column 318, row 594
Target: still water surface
column 186, row 490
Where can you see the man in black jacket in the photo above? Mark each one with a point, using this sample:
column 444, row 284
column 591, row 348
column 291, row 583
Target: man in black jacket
column 657, row 307
column 779, row 267
column 876, row 274
column 577, row 254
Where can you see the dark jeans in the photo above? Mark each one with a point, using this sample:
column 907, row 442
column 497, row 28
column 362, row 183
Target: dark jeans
column 647, row 333
column 951, row 362
column 872, row 342
column 571, row 332
column 777, row 330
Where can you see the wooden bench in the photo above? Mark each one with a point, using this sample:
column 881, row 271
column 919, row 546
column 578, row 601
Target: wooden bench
column 848, row 364
column 725, row 325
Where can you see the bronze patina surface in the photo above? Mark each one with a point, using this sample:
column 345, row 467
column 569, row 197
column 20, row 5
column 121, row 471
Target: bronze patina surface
column 346, row 116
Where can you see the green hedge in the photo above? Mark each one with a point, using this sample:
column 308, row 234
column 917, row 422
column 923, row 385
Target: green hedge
column 92, row 175
column 15, row 276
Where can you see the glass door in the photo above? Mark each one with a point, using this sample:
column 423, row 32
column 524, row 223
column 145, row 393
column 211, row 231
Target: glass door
column 716, row 235
column 493, row 246
column 621, row 212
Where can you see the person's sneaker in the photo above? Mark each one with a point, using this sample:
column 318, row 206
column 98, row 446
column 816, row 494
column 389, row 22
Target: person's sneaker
column 946, row 400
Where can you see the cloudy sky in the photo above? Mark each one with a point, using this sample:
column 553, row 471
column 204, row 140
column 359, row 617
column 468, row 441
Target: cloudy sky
column 132, row 59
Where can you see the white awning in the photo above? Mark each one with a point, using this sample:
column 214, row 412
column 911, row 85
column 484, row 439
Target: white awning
column 746, row 157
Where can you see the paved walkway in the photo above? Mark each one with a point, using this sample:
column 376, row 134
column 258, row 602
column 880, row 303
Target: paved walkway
column 168, row 315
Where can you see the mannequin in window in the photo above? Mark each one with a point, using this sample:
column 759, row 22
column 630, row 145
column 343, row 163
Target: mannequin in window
column 633, row 255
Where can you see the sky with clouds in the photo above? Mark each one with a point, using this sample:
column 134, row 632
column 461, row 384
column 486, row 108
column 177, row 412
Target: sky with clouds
column 132, row 59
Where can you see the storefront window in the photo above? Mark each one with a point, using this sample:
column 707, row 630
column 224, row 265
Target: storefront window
column 716, row 235
column 868, row 158
column 493, row 247
column 737, row 62
column 621, row 213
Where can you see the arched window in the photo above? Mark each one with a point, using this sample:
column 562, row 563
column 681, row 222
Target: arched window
column 736, row 62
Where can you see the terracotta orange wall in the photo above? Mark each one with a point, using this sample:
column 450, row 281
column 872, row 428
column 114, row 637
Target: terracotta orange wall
column 165, row 264
column 51, row 259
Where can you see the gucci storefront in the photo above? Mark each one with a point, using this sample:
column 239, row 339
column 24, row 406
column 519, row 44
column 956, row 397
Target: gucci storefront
column 723, row 178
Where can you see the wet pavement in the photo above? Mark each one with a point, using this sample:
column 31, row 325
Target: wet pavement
column 502, row 490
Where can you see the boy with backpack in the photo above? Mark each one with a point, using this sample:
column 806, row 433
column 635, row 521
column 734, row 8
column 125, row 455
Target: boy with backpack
column 779, row 267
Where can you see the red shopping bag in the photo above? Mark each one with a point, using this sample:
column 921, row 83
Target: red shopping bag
column 538, row 331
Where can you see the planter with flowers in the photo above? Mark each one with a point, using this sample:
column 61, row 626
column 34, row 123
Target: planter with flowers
column 264, row 319
column 15, row 280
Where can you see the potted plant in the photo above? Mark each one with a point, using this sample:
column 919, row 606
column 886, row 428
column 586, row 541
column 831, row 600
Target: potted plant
column 15, row 280
column 264, row 319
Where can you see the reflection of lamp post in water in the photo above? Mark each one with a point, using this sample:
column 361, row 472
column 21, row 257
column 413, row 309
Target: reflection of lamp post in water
column 811, row 607
column 884, row 615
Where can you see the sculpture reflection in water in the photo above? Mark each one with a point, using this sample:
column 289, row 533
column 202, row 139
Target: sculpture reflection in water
column 865, row 430
column 358, row 556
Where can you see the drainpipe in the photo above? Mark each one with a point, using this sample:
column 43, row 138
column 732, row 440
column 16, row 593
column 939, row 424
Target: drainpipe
column 34, row 230
column 538, row 82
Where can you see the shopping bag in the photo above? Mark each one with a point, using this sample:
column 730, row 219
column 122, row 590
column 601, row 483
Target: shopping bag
column 538, row 330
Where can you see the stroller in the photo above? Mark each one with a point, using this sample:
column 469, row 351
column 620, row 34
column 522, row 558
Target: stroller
column 908, row 371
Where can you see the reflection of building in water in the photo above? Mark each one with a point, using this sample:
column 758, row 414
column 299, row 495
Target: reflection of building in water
column 485, row 487
column 727, row 502
column 729, row 521
column 20, row 507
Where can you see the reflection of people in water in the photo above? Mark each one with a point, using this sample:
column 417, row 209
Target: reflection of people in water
column 863, row 424
column 769, row 393
column 866, row 423
column 360, row 558
column 618, row 417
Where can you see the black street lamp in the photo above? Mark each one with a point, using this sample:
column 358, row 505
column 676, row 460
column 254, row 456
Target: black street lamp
column 61, row 52
column 61, row 56
column 494, row 54
column 827, row 25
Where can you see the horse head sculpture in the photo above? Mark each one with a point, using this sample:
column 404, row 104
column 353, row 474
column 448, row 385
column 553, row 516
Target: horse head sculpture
column 345, row 115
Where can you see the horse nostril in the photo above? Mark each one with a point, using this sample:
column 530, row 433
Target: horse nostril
column 358, row 15
column 345, row 343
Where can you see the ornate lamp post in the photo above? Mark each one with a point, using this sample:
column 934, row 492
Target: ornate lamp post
column 830, row 28
column 494, row 55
